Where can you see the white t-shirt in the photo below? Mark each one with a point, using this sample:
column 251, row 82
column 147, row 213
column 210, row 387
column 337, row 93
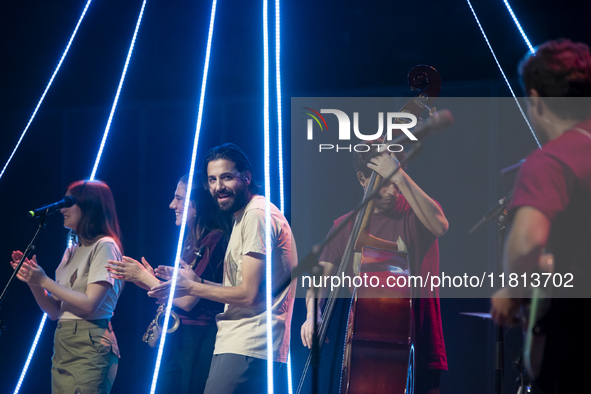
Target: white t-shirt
column 243, row 330
column 82, row 265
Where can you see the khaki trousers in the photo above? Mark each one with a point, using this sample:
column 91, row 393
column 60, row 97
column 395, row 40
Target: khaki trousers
column 85, row 357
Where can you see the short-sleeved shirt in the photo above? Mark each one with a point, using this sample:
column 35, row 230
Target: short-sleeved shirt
column 242, row 330
column 556, row 180
column 423, row 256
column 83, row 265
column 210, row 267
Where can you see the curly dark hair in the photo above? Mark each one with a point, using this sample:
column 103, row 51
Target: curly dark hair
column 560, row 69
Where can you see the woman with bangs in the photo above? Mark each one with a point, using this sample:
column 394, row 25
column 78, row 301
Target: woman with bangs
column 83, row 295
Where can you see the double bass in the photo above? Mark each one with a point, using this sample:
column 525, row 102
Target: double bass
column 379, row 352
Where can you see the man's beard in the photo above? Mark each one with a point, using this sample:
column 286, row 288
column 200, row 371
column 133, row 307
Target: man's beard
column 233, row 203
column 386, row 204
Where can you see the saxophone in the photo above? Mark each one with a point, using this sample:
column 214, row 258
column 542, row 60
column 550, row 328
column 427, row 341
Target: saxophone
column 152, row 334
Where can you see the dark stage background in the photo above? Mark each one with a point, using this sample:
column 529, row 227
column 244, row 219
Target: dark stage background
column 343, row 48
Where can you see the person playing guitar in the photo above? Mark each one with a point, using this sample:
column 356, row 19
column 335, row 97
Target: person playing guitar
column 551, row 211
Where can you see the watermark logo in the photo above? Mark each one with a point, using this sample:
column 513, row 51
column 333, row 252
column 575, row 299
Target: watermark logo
column 402, row 121
column 315, row 116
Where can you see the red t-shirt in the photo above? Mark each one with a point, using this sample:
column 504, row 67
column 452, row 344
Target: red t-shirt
column 423, row 258
column 557, row 181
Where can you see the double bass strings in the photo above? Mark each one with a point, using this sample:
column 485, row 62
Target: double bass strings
column 97, row 160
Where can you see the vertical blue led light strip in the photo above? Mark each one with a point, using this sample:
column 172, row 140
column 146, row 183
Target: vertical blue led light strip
column 31, row 352
column 57, row 68
column 280, row 140
column 116, row 100
column 279, row 119
column 187, row 198
column 531, row 48
column 503, row 73
column 268, row 257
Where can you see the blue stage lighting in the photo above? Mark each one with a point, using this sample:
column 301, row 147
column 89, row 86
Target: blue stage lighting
column 31, row 352
column 106, row 133
column 503, row 73
column 268, row 256
column 187, row 198
column 48, row 86
column 531, row 48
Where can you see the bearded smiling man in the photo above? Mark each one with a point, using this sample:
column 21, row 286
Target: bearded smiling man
column 240, row 356
column 231, row 195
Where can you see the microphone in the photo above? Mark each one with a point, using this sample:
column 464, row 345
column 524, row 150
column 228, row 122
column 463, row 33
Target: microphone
column 67, row 202
column 440, row 120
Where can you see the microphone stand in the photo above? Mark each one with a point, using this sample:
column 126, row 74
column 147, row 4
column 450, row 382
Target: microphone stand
column 494, row 211
column 310, row 264
column 30, row 248
column 316, row 271
column 499, row 211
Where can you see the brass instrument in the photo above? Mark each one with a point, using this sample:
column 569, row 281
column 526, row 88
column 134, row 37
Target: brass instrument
column 152, row 334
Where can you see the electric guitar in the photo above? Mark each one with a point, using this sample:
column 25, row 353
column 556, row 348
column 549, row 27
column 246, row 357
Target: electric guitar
column 535, row 337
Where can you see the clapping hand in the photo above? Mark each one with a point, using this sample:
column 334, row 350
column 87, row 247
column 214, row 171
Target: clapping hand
column 30, row 272
column 165, row 271
column 161, row 291
column 129, row 269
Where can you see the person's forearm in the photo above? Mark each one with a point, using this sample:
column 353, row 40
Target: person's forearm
column 526, row 241
column 186, row 303
column 328, row 270
column 233, row 295
column 146, row 281
column 427, row 210
column 522, row 254
column 310, row 302
column 519, row 258
column 208, row 282
column 46, row 302
column 80, row 304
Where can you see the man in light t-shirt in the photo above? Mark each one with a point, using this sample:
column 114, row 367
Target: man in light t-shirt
column 239, row 363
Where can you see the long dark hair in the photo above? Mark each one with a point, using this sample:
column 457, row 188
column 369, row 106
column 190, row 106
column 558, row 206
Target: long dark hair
column 233, row 153
column 208, row 215
column 99, row 216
